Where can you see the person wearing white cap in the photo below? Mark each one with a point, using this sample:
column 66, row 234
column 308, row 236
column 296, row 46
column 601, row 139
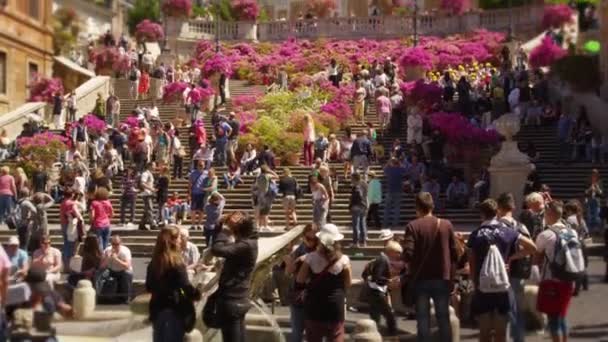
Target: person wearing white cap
column 18, row 257
column 325, row 277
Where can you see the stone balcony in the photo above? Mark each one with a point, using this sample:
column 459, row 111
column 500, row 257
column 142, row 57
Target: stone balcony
column 520, row 18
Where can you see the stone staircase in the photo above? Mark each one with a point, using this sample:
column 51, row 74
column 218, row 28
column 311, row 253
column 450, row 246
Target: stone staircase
column 565, row 182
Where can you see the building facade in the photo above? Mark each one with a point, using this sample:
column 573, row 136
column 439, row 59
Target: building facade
column 26, row 48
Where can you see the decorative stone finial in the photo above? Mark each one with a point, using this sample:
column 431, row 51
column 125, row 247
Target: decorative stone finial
column 509, row 155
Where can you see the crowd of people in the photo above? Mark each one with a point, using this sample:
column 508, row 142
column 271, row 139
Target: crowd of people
column 149, row 153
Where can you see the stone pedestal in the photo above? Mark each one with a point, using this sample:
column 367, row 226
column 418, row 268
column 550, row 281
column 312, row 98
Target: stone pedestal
column 509, row 168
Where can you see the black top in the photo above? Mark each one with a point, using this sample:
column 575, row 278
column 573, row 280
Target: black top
column 378, row 270
column 267, row 158
column 162, row 185
column 236, row 126
column 240, row 256
column 288, row 186
column 164, row 289
column 325, row 298
column 361, row 147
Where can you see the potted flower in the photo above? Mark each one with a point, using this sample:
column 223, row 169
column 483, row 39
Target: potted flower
column 106, row 59
column 415, row 61
column 290, row 149
column 41, row 149
column 556, row 16
column 322, row 8
column 43, row 89
column 546, row 53
column 95, row 126
column 148, row 31
column 216, row 65
column 177, row 8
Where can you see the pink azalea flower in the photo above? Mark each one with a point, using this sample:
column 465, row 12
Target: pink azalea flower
column 149, row 31
column 546, row 53
column 172, row 92
column 177, row 8
column 42, row 89
column 246, row 9
column 557, row 15
column 416, row 57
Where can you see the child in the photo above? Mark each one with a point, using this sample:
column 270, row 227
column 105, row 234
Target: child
column 377, row 152
column 175, row 209
column 213, row 212
column 333, row 148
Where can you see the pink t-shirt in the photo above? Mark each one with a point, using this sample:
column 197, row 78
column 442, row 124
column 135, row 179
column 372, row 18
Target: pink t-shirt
column 6, row 185
column 101, row 210
column 384, row 104
column 5, row 262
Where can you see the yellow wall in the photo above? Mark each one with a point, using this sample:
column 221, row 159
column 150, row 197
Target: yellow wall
column 24, row 40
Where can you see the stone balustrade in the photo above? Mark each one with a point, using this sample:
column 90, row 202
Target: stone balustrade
column 520, row 18
column 86, row 94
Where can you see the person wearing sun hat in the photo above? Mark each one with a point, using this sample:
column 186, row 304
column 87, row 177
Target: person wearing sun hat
column 325, row 275
column 18, row 257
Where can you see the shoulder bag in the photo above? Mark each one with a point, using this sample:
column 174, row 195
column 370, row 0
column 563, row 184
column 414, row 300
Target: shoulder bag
column 409, row 282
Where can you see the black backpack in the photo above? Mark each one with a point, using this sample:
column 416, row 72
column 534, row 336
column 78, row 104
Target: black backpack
column 133, row 75
column 356, row 196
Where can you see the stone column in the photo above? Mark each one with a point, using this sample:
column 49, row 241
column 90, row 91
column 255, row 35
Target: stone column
column 509, row 168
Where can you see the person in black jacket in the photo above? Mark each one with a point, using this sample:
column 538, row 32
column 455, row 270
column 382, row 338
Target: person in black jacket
column 172, row 294
column 377, row 276
column 235, row 280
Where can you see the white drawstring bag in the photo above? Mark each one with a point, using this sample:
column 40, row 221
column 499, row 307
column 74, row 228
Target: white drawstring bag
column 493, row 277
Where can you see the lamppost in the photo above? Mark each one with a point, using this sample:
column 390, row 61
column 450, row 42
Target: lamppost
column 415, row 22
column 217, row 26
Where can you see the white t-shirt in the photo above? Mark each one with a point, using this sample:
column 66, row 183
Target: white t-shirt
column 124, row 255
column 545, row 242
column 177, row 144
column 148, row 179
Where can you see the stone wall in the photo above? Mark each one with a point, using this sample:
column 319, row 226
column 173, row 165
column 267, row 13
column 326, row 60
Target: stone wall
column 27, row 44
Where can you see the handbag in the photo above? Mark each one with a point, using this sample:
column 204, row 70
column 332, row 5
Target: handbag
column 299, row 296
column 75, row 263
column 408, row 282
column 184, row 306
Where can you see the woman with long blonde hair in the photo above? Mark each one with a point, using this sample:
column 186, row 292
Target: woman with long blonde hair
column 309, row 139
column 167, row 282
column 21, row 180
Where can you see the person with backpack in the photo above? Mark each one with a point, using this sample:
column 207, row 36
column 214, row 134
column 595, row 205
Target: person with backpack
column 358, row 210
column 561, row 263
column 134, row 76
column 197, row 194
column 491, row 247
column 573, row 213
column 377, row 278
column 519, row 270
column 214, row 209
column 80, row 138
column 222, row 131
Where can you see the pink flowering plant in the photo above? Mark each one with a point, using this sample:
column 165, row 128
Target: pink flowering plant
column 247, row 10
column 177, row 8
column 556, row 16
column 94, row 125
column 42, row 89
column 109, row 58
column 149, row 31
column 42, row 148
column 173, row 92
column 246, row 102
column 217, row 64
column 546, row 53
column 457, row 130
column 422, row 94
column 130, row 122
column 416, row 57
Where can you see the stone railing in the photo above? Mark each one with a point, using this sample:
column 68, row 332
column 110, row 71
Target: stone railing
column 520, row 18
column 86, row 94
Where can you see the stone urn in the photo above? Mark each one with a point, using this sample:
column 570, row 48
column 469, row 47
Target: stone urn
column 84, row 299
column 509, row 168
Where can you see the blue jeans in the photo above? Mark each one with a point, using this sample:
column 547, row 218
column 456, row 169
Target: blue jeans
column 359, row 224
column 231, row 182
column 593, row 213
column 168, row 327
column 103, row 234
column 68, row 246
column 6, row 205
column 516, row 316
column 558, row 326
column 392, row 206
column 297, row 323
column 220, row 151
column 439, row 291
